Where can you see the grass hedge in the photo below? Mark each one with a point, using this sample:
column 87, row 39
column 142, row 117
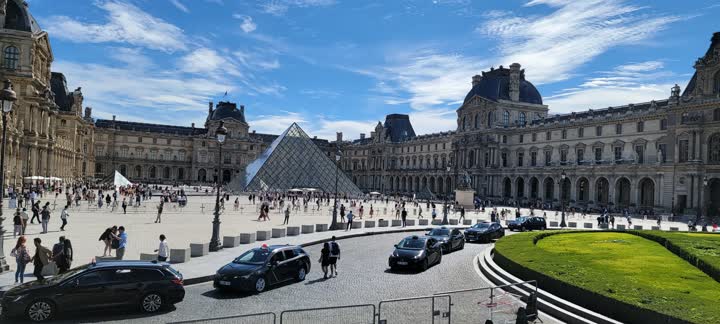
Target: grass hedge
column 621, row 275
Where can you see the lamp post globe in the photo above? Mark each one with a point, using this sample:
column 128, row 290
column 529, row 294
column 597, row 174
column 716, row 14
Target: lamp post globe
column 220, row 135
column 563, row 176
column 7, row 99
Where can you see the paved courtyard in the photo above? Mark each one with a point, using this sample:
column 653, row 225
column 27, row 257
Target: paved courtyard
column 192, row 224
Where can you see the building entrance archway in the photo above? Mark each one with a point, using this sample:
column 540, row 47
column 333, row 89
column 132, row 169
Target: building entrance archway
column 622, row 193
column 647, row 193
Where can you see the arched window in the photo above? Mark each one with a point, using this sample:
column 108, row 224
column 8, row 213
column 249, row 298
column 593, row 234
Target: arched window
column 464, row 123
column 12, row 55
column 506, row 118
column 477, row 121
column 490, row 119
column 522, row 119
column 714, row 148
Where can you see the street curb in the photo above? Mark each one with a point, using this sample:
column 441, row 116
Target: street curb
column 203, row 279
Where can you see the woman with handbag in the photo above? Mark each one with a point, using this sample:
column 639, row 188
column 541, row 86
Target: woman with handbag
column 22, row 257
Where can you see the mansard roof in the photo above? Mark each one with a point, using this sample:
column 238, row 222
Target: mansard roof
column 398, row 127
column 58, row 85
column 150, row 128
column 630, row 108
column 495, row 85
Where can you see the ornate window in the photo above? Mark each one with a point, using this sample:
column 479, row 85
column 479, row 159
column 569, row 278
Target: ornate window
column 640, row 127
column 714, row 148
column 683, row 151
column 506, row 118
column 490, row 119
column 12, row 55
column 581, row 132
column 477, row 123
column 618, row 129
column 522, row 119
column 663, row 124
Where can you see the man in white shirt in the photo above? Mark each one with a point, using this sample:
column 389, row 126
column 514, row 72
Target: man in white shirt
column 163, row 250
column 64, row 216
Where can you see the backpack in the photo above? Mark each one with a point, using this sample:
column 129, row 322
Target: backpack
column 334, row 249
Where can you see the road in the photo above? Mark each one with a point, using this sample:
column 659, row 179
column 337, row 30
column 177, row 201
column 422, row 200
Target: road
column 363, row 278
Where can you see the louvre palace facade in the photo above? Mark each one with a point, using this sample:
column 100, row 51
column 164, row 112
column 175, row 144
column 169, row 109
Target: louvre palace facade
column 661, row 154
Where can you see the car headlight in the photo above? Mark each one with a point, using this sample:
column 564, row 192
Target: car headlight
column 247, row 276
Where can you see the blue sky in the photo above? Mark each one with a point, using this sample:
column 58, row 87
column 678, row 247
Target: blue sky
column 341, row 65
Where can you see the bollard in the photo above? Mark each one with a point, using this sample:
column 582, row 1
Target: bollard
column 307, row 229
column 199, row 249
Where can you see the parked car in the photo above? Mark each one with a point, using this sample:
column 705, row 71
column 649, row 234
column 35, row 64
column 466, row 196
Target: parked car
column 264, row 266
column 149, row 285
column 484, row 232
column 451, row 239
column 527, row 223
column 416, row 252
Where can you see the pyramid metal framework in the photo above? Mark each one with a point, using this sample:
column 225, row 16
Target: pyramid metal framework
column 293, row 161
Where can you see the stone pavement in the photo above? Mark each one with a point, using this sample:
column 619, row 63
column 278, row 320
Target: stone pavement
column 192, row 224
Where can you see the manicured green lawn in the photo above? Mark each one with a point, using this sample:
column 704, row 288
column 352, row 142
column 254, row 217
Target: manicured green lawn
column 621, row 266
column 705, row 246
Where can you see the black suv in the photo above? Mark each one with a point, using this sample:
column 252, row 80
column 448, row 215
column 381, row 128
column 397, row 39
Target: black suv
column 264, row 266
column 149, row 285
column 526, row 223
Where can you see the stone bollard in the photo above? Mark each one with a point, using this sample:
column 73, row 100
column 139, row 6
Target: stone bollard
column 179, row 255
column 409, row 222
column 554, row 224
column 396, row 222
column 369, row 224
column 231, row 241
column 467, row 221
column 199, row 249
column 322, row 227
column 247, row 238
column 674, row 228
column 307, row 229
column 382, row 223
column 604, row 225
column 293, row 230
column 453, row 221
column 148, row 256
column 436, row 221
column 423, row 222
column 587, row 225
column 572, row 224
column 638, row 227
column 278, row 232
column 655, row 228
column 620, row 227
column 357, row 224
column 263, row 235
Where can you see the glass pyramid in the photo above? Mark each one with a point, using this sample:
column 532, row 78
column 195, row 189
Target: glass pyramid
column 293, row 161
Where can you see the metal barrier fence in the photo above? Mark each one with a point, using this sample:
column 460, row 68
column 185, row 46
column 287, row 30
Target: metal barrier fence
column 261, row 318
column 497, row 304
column 418, row 310
column 355, row 314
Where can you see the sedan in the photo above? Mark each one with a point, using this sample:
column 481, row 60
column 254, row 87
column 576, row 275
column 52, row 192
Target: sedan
column 261, row 267
column 484, row 232
column 416, row 252
column 527, row 223
column 450, row 239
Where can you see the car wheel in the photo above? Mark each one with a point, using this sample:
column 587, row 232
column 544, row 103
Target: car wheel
column 40, row 310
column 542, row 227
column 151, row 303
column 301, row 274
column 523, row 229
column 260, row 284
column 462, row 245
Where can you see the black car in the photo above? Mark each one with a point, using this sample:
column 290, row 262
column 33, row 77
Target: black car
column 261, row 267
column 484, row 232
column 451, row 239
column 416, row 252
column 527, row 223
column 148, row 285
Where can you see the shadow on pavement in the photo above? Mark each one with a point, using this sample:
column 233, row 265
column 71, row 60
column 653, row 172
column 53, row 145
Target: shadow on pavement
column 112, row 314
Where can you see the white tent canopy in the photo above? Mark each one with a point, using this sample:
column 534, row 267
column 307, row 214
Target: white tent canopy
column 120, row 180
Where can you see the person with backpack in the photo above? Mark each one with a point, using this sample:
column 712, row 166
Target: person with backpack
column 64, row 216
column 22, row 257
column 334, row 256
column 40, row 259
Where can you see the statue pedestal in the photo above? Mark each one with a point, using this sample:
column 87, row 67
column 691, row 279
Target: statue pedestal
column 465, row 197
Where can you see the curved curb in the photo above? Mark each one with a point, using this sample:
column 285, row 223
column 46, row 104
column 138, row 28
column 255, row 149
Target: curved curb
column 203, row 279
column 547, row 302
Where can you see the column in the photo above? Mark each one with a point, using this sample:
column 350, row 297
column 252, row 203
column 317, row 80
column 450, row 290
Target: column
column 573, row 189
column 633, row 191
column 659, row 184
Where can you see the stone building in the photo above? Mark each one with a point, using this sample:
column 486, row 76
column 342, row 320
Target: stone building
column 661, row 154
column 48, row 133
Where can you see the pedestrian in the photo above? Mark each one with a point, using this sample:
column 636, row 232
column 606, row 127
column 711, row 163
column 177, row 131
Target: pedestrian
column 342, row 213
column 236, row 204
column 612, row 221
column 35, row 208
column 361, row 211
column 659, row 220
column 629, row 220
column 25, row 218
column 45, row 216
column 121, row 238
column 403, row 216
column 334, row 256
column 64, row 216
column 349, row 220
column 163, row 250
column 58, row 251
column 462, row 213
column 17, row 224
column 420, row 212
column 106, row 237
column 65, row 261
column 325, row 259
column 22, row 258
column 158, row 219
column 41, row 258
column 433, row 214
column 287, row 216
column 124, row 205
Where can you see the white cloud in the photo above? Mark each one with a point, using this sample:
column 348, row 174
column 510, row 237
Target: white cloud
column 280, row 7
column 126, row 24
column 205, row 60
column 180, row 6
column 247, row 24
column 255, row 59
column 553, row 46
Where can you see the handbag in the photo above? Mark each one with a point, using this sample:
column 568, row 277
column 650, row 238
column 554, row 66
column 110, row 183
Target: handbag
column 115, row 244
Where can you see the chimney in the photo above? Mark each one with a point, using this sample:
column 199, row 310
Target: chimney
column 476, row 80
column 515, row 82
column 242, row 109
column 210, row 104
column 315, row 137
column 362, row 136
column 113, row 117
column 192, row 125
column 339, row 137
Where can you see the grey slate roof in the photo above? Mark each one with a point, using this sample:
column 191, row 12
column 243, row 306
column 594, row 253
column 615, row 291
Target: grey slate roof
column 398, row 127
column 58, row 85
column 495, row 85
column 151, row 128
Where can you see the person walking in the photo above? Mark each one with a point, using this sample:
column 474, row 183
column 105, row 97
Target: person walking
column 462, row 214
column 612, row 221
column 403, row 216
column 25, row 218
column 40, row 259
column 334, row 256
column 64, row 262
column 325, row 259
column 22, row 258
column 17, row 224
column 58, row 250
column 433, row 214
column 122, row 243
column 659, row 220
column 45, row 217
column 158, row 219
column 342, row 213
column 163, row 251
column 106, row 237
column 287, row 216
column 64, row 216
column 35, row 208
column 420, row 212
column 349, row 221
column 124, row 205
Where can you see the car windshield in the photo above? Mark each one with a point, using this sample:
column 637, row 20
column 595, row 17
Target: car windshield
column 481, row 225
column 411, row 244
column 439, row 232
column 521, row 218
column 255, row 256
column 68, row 274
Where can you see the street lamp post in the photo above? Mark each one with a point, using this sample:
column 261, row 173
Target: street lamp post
column 333, row 224
column 445, row 207
column 704, row 204
column 562, row 200
column 7, row 98
column 215, row 245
